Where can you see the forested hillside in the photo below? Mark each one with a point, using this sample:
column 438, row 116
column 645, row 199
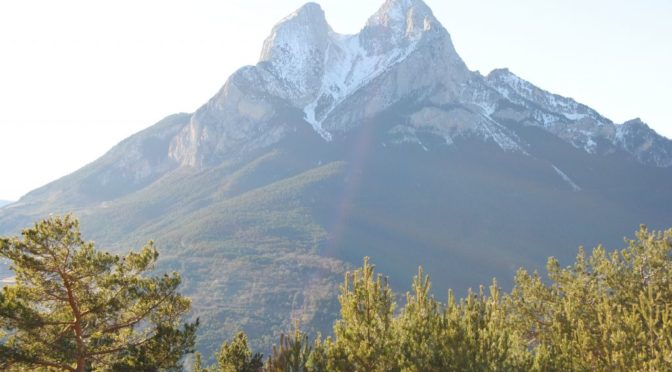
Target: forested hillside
column 76, row 308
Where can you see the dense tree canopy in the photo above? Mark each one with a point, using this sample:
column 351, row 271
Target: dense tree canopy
column 606, row 312
column 77, row 308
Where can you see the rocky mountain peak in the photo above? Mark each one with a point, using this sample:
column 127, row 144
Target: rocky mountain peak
column 398, row 23
column 644, row 143
column 306, row 65
column 556, row 108
column 294, row 51
column 403, row 53
column 309, row 9
column 304, row 28
column 402, row 15
column 636, row 123
column 315, row 69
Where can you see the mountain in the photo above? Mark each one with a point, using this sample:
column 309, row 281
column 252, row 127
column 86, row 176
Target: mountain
column 4, row 202
column 334, row 147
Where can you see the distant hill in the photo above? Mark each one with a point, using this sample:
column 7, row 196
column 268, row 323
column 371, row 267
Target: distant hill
column 4, row 202
column 380, row 144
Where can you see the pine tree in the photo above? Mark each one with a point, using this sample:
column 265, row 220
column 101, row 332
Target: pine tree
column 365, row 332
column 327, row 357
column 419, row 329
column 605, row 312
column 236, row 356
column 76, row 308
column 291, row 355
column 198, row 363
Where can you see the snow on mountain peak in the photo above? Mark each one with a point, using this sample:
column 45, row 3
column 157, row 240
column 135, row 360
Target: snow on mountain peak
column 580, row 125
column 394, row 13
column 402, row 54
column 316, row 68
column 294, row 51
column 557, row 108
column 396, row 23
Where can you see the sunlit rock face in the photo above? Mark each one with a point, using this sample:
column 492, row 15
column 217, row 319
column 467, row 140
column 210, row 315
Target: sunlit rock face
column 337, row 82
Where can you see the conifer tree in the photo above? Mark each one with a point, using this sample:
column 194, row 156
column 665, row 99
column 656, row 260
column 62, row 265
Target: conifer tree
column 419, row 329
column 365, row 331
column 479, row 336
column 327, row 357
column 605, row 312
column 319, row 358
column 291, row 355
column 198, row 362
column 76, row 308
column 236, row 356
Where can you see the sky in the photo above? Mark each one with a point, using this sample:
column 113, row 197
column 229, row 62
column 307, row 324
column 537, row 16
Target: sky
column 78, row 76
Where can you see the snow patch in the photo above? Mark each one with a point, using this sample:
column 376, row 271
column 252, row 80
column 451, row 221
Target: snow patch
column 348, row 67
column 487, row 107
column 591, row 146
column 574, row 116
column 545, row 118
column 501, row 136
column 566, row 178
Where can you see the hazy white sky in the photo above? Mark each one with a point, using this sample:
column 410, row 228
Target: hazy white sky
column 78, row 76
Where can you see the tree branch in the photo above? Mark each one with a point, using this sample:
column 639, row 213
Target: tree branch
column 137, row 318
